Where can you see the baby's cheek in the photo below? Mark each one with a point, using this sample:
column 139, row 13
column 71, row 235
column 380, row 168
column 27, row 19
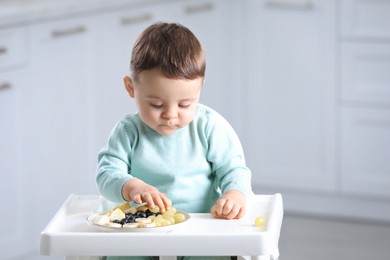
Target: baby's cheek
column 188, row 116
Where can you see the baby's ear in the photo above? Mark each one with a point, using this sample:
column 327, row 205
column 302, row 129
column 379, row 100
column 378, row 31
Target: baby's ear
column 129, row 86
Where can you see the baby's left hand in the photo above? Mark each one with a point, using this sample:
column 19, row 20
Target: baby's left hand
column 231, row 205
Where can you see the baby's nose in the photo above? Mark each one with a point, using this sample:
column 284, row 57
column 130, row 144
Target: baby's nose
column 170, row 112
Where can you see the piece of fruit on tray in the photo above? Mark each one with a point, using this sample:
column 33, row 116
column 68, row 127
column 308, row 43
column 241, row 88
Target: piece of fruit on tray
column 127, row 216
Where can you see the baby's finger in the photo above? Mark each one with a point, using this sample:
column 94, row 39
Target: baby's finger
column 167, row 202
column 234, row 211
column 219, row 205
column 227, row 208
column 213, row 211
column 159, row 202
column 147, row 197
column 136, row 198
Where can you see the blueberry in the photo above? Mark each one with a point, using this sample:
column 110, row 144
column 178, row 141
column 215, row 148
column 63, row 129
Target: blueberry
column 130, row 219
column 141, row 214
column 122, row 221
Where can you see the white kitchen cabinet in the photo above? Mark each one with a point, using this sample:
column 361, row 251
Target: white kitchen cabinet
column 365, row 150
column 14, row 78
column 365, row 69
column 362, row 19
column 57, row 127
column 15, row 192
column 365, row 99
column 13, row 48
column 289, row 101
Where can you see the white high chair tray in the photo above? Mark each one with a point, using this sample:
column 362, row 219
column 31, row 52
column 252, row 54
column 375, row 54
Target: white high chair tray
column 68, row 234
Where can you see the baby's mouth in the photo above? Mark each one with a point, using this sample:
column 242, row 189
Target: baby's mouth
column 170, row 124
column 173, row 126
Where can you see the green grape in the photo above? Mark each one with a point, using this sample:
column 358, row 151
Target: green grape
column 156, row 209
column 164, row 222
column 179, row 217
column 157, row 222
column 168, row 214
column 260, row 221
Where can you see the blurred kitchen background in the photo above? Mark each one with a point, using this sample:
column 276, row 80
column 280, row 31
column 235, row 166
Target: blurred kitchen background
column 305, row 83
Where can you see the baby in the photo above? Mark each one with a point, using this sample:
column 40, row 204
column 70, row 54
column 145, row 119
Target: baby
column 174, row 150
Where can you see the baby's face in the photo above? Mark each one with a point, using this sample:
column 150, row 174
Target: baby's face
column 166, row 104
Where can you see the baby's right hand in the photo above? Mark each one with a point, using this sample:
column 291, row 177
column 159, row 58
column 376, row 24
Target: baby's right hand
column 139, row 192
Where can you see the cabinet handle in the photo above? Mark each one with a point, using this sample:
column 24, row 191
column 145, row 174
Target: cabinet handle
column 67, row 32
column 3, row 50
column 136, row 19
column 279, row 4
column 372, row 122
column 193, row 9
column 5, row 85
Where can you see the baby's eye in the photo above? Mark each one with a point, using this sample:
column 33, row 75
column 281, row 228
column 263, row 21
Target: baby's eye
column 156, row 105
column 184, row 105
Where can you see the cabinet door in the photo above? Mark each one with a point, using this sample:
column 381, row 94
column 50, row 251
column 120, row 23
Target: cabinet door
column 365, row 19
column 13, row 49
column 365, row 151
column 290, row 94
column 57, row 147
column 365, row 71
column 14, row 240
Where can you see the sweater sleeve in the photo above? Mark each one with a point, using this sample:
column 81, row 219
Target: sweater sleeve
column 114, row 164
column 226, row 156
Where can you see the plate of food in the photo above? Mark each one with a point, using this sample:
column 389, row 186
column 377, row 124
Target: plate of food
column 127, row 218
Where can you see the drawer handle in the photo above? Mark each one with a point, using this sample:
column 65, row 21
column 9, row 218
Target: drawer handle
column 373, row 122
column 279, row 4
column 193, row 9
column 136, row 19
column 5, row 85
column 3, row 50
column 67, row 32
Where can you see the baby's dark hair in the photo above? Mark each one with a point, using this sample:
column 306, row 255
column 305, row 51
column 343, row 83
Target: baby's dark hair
column 171, row 48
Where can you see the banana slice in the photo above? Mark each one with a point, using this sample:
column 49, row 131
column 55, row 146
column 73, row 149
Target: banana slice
column 143, row 220
column 146, row 225
column 111, row 224
column 131, row 225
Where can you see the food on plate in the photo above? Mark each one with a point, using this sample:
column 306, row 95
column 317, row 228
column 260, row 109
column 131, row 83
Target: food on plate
column 179, row 217
column 117, row 214
column 127, row 216
column 260, row 221
column 102, row 220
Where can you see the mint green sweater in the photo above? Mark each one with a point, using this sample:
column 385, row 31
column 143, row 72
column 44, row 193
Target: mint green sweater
column 193, row 166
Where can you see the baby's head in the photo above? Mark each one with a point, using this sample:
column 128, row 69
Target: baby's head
column 167, row 73
column 172, row 49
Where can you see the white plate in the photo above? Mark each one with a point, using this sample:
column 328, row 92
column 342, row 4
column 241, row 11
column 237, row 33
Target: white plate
column 168, row 228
